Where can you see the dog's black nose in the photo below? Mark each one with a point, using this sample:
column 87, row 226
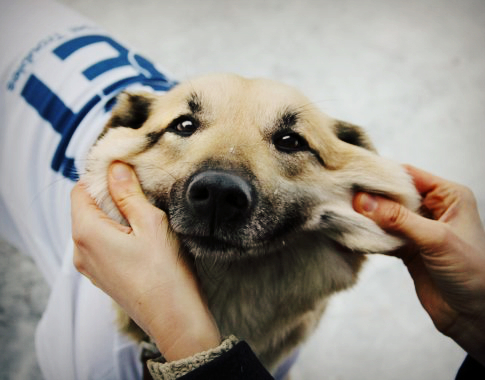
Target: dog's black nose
column 218, row 197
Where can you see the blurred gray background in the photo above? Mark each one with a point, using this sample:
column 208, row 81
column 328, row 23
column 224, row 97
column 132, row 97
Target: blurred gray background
column 411, row 72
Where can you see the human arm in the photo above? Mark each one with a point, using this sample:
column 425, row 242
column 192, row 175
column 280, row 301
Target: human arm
column 445, row 255
column 140, row 268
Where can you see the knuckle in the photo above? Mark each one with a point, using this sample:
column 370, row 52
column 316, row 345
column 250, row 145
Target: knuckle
column 395, row 216
column 77, row 238
column 78, row 262
column 80, row 236
column 78, row 232
column 126, row 199
column 458, row 193
column 467, row 195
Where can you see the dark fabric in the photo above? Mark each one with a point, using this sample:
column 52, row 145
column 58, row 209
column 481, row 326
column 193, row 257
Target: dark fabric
column 147, row 353
column 146, row 373
column 471, row 370
column 239, row 363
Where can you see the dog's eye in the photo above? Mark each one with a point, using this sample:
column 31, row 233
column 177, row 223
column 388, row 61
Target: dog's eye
column 290, row 142
column 184, row 126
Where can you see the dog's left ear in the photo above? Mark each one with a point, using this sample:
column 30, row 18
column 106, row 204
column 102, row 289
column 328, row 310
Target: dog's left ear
column 352, row 134
column 131, row 110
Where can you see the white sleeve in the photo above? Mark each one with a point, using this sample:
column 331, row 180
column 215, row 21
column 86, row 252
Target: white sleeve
column 77, row 338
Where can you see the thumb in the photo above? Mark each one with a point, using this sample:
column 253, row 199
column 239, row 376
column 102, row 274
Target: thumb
column 395, row 218
column 128, row 195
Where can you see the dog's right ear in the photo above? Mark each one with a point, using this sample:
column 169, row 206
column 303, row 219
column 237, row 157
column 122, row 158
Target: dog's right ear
column 354, row 135
column 131, row 110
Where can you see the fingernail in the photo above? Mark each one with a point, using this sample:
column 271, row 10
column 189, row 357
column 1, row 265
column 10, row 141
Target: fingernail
column 120, row 171
column 367, row 202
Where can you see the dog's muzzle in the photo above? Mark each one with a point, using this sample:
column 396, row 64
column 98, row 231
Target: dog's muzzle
column 218, row 198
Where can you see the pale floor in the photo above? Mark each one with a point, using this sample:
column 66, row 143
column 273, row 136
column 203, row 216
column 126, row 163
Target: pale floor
column 411, row 72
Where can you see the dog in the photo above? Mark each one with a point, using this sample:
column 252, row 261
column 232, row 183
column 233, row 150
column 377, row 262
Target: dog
column 257, row 184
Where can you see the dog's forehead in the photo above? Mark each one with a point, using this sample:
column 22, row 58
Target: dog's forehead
column 228, row 93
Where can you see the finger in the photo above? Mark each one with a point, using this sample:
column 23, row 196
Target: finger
column 84, row 208
column 87, row 218
column 423, row 181
column 80, row 197
column 129, row 197
column 440, row 195
column 395, row 218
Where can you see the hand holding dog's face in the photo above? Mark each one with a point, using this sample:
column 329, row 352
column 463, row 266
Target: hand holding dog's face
column 140, row 267
column 246, row 167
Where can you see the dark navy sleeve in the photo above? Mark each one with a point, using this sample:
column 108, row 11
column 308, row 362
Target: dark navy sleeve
column 471, row 370
column 239, row 363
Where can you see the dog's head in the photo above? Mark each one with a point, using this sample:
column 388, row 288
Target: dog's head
column 243, row 167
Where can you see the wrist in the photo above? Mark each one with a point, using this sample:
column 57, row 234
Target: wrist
column 175, row 315
column 471, row 337
column 181, row 326
column 189, row 343
column 185, row 335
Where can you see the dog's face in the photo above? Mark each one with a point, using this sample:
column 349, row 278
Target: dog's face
column 244, row 167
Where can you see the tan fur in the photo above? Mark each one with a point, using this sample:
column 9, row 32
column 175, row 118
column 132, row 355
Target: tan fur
column 272, row 292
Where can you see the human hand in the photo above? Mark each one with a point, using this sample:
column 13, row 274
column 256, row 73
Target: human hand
column 140, row 267
column 445, row 256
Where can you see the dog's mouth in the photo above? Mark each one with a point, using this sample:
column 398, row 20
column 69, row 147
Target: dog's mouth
column 228, row 249
column 221, row 213
column 208, row 235
column 233, row 242
column 201, row 246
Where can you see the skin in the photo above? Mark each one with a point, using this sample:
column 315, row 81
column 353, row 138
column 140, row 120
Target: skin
column 139, row 266
column 445, row 255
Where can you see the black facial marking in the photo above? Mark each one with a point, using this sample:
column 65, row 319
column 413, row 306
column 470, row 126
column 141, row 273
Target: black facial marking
column 318, row 157
column 153, row 138
column 352, row 134
column 133, row 114
column 288, row 120
column 332, row 223
column 194, row 103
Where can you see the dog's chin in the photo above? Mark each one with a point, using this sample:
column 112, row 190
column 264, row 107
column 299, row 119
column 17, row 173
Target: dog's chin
column 222, row 250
